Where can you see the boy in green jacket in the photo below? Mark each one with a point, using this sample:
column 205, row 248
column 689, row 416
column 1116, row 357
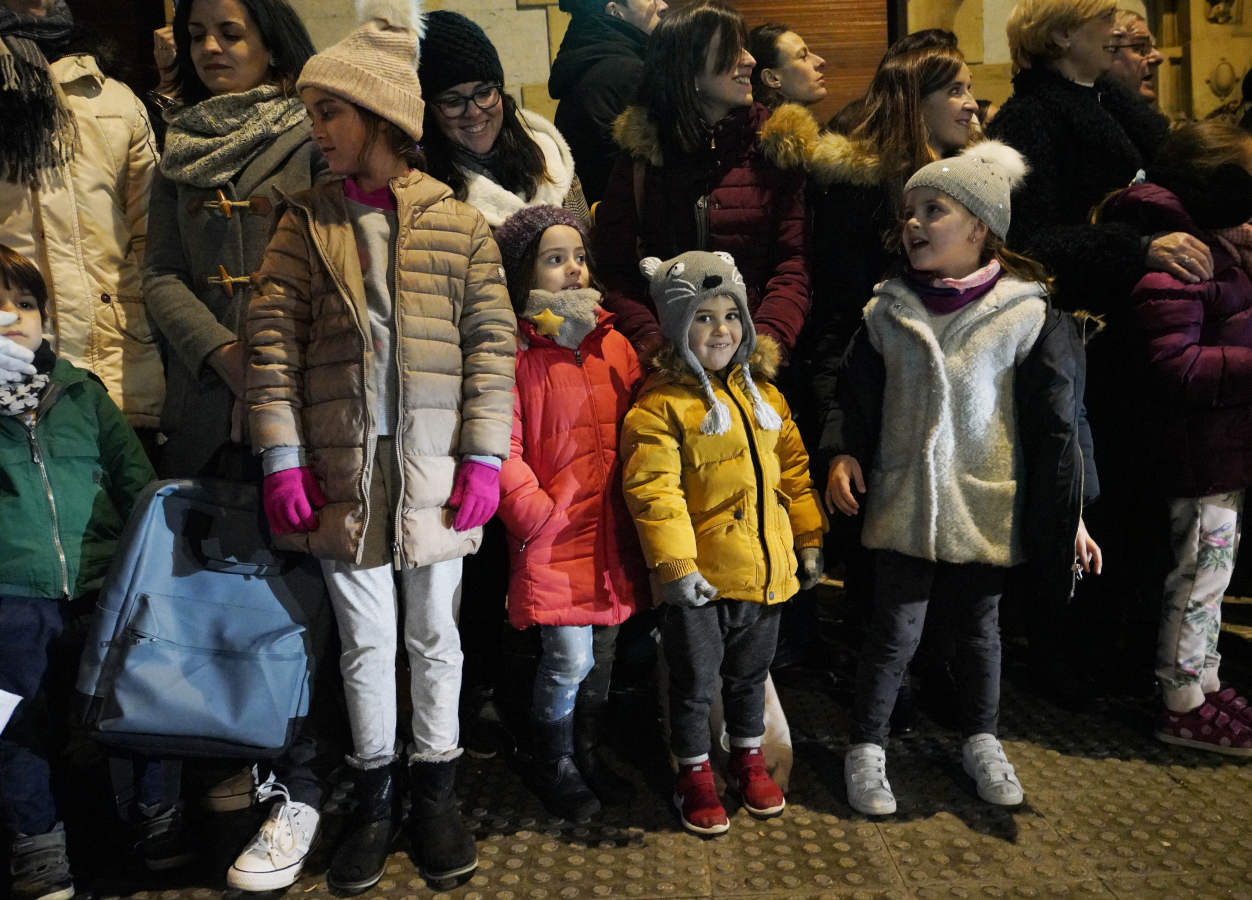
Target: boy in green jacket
column 70, row 469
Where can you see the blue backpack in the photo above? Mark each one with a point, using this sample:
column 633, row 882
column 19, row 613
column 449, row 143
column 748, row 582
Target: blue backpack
column 205, row 640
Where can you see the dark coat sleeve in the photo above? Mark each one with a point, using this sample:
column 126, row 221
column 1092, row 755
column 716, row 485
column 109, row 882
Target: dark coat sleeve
column 786, row 297
column 1095, row 266
column 616, row 242
column 852, row 420
column 1057, row 448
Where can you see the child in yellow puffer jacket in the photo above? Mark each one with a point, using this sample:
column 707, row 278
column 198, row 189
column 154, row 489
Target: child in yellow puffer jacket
column 717, row 480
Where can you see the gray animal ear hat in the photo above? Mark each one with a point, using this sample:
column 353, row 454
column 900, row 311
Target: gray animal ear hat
column 678, row 287
column 981, row 178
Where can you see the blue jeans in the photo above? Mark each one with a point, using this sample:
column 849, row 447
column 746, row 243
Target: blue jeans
column 576, row 664
column 29, row 660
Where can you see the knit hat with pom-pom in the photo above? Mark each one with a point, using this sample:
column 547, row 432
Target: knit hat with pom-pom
column 375, row 66
column 525, row 227
column 981, row 178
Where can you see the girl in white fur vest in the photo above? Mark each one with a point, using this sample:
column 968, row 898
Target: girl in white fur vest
column 962, row 394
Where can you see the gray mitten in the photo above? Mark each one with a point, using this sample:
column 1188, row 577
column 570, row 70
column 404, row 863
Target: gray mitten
column 812, row 564
column 15, row 360
column 689, row 591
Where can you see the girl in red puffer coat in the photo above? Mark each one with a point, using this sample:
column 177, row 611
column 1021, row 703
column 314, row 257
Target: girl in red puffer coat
column 1192, row 340
column 576, row 564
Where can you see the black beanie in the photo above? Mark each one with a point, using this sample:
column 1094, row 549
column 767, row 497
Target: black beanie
column 455, row 50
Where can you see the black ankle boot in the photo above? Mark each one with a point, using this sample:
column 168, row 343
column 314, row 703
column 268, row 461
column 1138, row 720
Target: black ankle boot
column 361, row 856
column 556, row 778
column 442, row 845
column 611, row 788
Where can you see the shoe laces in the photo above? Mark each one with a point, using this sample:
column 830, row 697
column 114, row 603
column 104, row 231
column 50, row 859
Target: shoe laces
column 278, row 832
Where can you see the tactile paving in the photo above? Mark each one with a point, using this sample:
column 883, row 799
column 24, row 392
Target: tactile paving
column 1110, row 813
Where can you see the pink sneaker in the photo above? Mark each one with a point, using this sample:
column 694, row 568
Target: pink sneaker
column 1208, row 727
column 1230, row 701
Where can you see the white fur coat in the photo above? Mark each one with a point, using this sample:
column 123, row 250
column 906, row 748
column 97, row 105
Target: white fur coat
column 945, row 485
column 497, row 204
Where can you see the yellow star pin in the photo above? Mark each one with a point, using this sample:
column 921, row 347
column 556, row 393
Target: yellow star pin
column 547, row 323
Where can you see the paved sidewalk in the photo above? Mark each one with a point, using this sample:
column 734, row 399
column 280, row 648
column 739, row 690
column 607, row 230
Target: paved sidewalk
column 1110, row 812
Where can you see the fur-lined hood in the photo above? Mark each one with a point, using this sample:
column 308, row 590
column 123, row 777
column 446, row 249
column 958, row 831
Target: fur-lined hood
column 637, row 134
column 668, row 366
column 793, row 139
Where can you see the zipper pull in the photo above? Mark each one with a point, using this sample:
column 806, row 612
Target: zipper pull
column 395, row 556
column 578, row 357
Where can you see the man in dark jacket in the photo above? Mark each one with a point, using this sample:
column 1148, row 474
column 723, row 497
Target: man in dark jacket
column 594, row 77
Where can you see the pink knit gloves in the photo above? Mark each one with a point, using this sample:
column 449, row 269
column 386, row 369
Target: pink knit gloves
column 291, row 499
column 475, row 494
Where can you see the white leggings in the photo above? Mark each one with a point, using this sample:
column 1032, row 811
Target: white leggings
column 367, row 600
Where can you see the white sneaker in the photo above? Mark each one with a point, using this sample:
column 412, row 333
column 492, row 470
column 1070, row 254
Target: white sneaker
column 865, row 775
column 276, row 855
column 235, row 792
column 983, row 759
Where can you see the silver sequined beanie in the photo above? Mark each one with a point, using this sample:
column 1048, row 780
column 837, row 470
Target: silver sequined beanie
column 678, row 286
column 981, row 178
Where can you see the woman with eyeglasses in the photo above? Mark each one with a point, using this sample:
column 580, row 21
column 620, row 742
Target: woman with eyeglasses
column 496, row 156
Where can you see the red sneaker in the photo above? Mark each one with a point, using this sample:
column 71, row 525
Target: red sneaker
column 746, row 776
column 695, row 796
column 1230, row 701
column 1207, row 727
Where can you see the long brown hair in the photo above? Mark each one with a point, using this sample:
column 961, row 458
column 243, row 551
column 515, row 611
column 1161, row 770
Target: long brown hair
column 675, row 59
column 892, row 124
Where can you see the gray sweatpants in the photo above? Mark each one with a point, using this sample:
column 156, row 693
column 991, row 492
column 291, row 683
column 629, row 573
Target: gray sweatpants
column 733, row 637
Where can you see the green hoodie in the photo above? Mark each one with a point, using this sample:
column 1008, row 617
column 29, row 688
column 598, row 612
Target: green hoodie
column 67, row 484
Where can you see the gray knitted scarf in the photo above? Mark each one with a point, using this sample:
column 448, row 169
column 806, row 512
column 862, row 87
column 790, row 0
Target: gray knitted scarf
column 208, row 144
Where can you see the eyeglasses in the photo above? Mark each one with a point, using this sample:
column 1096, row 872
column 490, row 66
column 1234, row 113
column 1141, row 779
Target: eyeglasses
column 1139, row 48
column 454, row 105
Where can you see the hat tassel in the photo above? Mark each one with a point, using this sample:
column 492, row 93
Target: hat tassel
column 766, row 416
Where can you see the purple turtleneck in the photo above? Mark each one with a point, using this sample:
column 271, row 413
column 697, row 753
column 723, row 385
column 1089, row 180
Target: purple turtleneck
column 946, row 295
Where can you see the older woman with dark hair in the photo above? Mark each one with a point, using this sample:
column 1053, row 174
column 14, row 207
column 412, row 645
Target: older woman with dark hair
column 496, row 156
column 694, row 176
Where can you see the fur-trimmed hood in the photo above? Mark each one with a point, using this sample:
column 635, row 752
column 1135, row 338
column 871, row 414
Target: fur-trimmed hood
column 637, row 134
column 793, row 139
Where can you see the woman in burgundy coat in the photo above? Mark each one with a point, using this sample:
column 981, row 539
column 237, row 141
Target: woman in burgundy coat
column 694, row 177
column 1192, row 378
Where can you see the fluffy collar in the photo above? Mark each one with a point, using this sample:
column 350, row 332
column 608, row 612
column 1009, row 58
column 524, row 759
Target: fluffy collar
column 637, row 134
column 497, row 204
column 793, row 139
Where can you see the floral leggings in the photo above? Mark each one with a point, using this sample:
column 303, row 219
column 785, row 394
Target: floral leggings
column 1204, row 533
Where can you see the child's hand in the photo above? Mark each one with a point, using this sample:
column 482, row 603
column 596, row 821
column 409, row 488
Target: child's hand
column 291, row 499
column 690, row 591
column 475, row 494
column 845, row 472
column 1086, row 551
column 15, row 360
column 812, row 564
